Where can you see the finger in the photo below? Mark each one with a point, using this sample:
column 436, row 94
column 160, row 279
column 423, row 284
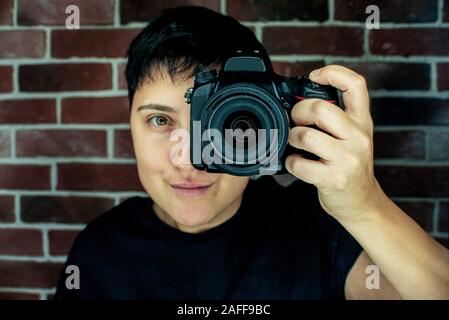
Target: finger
column 324, row 115
column 315, row 141
column 353, row 85
column 310, row 171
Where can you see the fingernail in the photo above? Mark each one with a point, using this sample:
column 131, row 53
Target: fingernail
column 314, row 73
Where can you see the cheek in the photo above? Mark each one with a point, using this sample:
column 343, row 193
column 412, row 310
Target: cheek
column 152, row 153
column 152, row 166
column 231, row 187
column 154, row 157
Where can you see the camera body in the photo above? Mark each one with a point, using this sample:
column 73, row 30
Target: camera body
column 240, row 119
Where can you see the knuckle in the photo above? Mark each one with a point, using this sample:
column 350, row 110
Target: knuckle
column 331, row 67
column 360, row 81
column 319, row 109
column 307, row 137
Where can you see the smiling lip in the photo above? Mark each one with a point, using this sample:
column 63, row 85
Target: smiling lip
column 190, row 189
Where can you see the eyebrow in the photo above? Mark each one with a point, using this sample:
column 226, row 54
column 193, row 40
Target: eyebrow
column 155, row 106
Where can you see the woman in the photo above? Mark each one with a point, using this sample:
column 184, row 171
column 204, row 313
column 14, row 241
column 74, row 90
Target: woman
column 203, row 235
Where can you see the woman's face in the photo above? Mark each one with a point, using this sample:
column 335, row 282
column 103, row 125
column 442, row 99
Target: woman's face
column 184, row 197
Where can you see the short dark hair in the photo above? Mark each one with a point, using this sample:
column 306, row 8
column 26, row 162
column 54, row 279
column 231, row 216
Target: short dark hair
column 183, row 41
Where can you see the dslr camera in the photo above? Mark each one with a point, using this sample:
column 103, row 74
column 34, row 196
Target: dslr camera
column 240, row 118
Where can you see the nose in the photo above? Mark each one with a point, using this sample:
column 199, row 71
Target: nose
column 180, row 149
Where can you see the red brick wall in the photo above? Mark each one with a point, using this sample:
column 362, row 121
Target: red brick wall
column 65, row 148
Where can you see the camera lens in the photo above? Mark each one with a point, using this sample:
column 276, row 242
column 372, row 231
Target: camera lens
column 243, row 122
column 252, row 125
column 239, row 119
column 239, row 122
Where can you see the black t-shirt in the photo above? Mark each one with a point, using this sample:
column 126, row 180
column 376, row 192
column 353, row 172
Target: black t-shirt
column 279, row 245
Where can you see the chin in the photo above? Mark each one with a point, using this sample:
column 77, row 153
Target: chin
column 192, row 216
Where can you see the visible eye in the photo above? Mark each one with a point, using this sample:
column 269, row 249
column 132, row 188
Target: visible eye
column 158, row 121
